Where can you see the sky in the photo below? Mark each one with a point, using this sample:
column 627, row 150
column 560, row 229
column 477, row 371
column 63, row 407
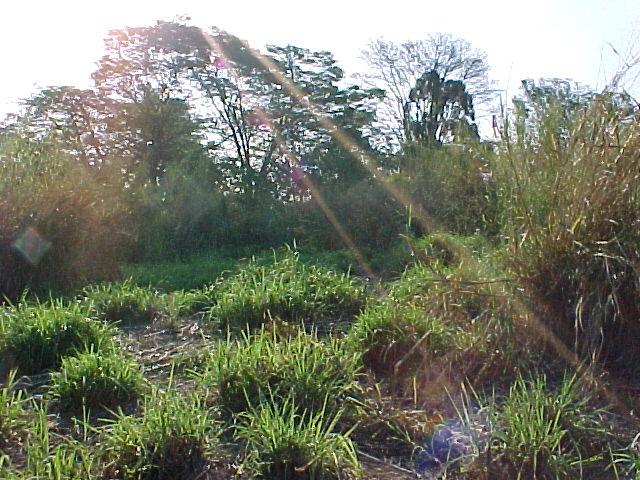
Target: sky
column 44, row 43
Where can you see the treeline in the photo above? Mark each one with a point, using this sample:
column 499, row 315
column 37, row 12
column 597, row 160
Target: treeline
column 193, row 140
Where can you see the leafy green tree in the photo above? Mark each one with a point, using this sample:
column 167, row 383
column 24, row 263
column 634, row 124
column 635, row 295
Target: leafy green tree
column 438, row 110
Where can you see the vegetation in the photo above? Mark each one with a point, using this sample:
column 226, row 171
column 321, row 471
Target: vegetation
column 310, row 276
column 279, row 364
column 36, row 337
column 95, row 380
column 288, row 290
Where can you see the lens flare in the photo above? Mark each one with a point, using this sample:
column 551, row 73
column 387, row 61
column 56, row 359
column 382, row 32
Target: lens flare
column 32, row 245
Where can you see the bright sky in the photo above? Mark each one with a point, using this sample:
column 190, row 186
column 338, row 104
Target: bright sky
column 46, row 43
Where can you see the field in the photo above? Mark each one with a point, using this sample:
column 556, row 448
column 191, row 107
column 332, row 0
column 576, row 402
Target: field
column 225, row 266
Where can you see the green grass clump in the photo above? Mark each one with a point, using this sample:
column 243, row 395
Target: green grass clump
column 97, row 380
column 285, row 443
column 173, row 438
column 35, row 337
column 12, row 414
column 542, row 432
column 53, row 457
column 389, row 334
column 288, row 290
column 246, row 371
column 125, row 302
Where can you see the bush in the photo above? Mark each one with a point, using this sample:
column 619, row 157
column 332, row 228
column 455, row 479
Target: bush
column 288, row 290
column 172, row 439
column 286, row 442
column 34, row 338
column 570, row 187
column 366, row 212
column 247, row 371
column 450, row 188
column 97, row 380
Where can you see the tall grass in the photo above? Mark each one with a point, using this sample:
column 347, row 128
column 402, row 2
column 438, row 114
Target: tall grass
column 570, row 191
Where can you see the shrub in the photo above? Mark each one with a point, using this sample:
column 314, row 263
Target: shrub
column 97, row 380
column 246, row 371
column 285, row 443
column 172, row 439
column 450, row 188
column 35, row 337
column 286, row 289
column 60, row 222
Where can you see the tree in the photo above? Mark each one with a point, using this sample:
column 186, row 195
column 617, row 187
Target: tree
column 438, row 110
column 399, row 68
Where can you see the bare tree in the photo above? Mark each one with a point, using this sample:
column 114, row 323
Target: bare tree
column 397, row 68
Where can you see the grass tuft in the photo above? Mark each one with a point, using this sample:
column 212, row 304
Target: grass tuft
column 285, row 442
column 97, row 380
column 173, row 438
column 288, row 290
column 35, row 337
column 246, row 371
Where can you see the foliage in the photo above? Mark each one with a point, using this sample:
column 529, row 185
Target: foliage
column 249, row 371
column 450, row 189
column 398, row 67
column 365, row 215
column 97, row 380
column 36, row 337
column 288, row 290
column 284, row 442
column 59, row 223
